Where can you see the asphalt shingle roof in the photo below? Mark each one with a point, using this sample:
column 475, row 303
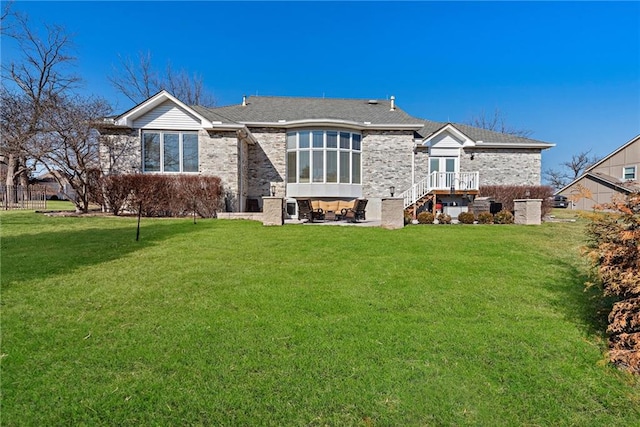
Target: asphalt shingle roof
column 271, row 109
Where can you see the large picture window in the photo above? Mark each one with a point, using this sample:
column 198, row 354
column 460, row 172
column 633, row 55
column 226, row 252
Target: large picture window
column 324, row 156
column 170, row 151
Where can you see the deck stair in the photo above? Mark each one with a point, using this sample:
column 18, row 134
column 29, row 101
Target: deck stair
column 425, row 190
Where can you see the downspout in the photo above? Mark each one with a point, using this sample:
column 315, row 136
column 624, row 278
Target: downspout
column 413, row 183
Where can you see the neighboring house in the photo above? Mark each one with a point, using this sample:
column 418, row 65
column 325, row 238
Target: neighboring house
column 616, row 174
column 317, row 148
column 53, row 188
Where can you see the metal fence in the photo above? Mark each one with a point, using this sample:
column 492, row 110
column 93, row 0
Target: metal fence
column 23, row 197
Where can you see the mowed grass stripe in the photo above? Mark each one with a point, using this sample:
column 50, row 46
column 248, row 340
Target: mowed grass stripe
column 233, row 323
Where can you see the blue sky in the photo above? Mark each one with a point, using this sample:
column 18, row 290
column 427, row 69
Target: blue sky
column 568, row 71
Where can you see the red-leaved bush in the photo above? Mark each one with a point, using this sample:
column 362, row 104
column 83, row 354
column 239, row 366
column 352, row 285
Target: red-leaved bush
column 162, row 195
column 506, row 194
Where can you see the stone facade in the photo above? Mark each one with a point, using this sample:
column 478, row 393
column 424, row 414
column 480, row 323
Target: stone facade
column 219, row 155
column 386, row 162
column 267, row 162
column 120, row 152
column 504, row 166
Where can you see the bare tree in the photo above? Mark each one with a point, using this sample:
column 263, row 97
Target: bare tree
column 28, row 86
column 556, row 178
column 139, row 80
column 572, row 169
column 70, row 148
column 580, row 162
column 497, row 123
column 42, row 121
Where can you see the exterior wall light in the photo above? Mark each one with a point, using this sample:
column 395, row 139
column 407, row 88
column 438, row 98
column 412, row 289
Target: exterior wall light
column 392, row 190
column 273, row 190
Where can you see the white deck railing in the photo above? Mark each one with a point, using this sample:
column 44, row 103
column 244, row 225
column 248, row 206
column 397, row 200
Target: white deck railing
column 458, row 181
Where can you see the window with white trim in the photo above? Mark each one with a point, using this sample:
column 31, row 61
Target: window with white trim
column 629, row 173
column 324, row 156
column 168, row 151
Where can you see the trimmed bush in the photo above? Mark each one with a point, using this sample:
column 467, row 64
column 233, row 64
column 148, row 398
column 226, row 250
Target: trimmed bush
column 425, row 218
column 162, row 196
column 443, row 218
column 485, row 218
column 466, row 217
column 505, row 194
column 503, row 217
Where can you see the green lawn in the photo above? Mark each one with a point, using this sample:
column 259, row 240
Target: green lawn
column 233, row 323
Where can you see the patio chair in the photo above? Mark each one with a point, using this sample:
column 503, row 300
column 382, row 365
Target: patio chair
column 306, row 211
column 357, row 213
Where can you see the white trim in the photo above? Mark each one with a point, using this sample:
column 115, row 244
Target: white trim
column 333, row 123
column 635, row 173
column 139, row 110
column 161, row 141
column 542, row 145
column 466, row 141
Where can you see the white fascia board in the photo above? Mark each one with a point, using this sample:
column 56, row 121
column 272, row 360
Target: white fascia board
column 539, row 145
column 241, row 130
column 466, row 141
column 347, row 124
column 128, row 117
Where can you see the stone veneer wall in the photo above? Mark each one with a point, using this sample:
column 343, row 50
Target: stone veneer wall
column 220, row 153
column 267, row 162
column 120, row 152
column 386, row 162
column 504, row 166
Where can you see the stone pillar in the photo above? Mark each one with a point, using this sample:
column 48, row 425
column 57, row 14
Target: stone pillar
column 272, row 211
column 527, row 211
column 392, row 213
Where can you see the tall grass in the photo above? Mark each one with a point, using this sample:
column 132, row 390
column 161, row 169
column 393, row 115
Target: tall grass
column 233, row 323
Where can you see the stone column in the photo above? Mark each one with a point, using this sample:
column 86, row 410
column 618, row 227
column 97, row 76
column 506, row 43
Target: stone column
column 527, row 211
column 392, row 213
column 272, row 211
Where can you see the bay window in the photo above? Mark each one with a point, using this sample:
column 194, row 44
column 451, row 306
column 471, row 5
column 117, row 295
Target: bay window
column 324, row 156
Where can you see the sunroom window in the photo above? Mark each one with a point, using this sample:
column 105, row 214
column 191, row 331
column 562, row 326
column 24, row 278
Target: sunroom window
column 323, row 156
column 169, row 151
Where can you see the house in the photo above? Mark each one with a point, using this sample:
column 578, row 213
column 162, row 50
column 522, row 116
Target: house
column 317, row 147
column 51, row 183
column 616, row 174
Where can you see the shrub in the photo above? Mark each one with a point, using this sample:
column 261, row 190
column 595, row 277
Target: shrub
column 485, row 218
column 425, row 218
column 466, row 217
column 158, row 195
column 505, row 194
column 443, row 218
column 503, row 217
column 614, row 252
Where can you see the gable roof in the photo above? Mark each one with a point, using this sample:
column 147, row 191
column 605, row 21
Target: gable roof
column 483, row 137
column 288, row 112
column 292, row 111
column 127, row 118
column 623, row 186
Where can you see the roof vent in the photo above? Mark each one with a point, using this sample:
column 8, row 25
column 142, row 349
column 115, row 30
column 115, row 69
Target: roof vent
column 373, row 101
column 393, row 103
column 244, row 100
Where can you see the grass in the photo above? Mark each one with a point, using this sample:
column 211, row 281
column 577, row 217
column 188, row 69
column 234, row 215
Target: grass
column 233, row 323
